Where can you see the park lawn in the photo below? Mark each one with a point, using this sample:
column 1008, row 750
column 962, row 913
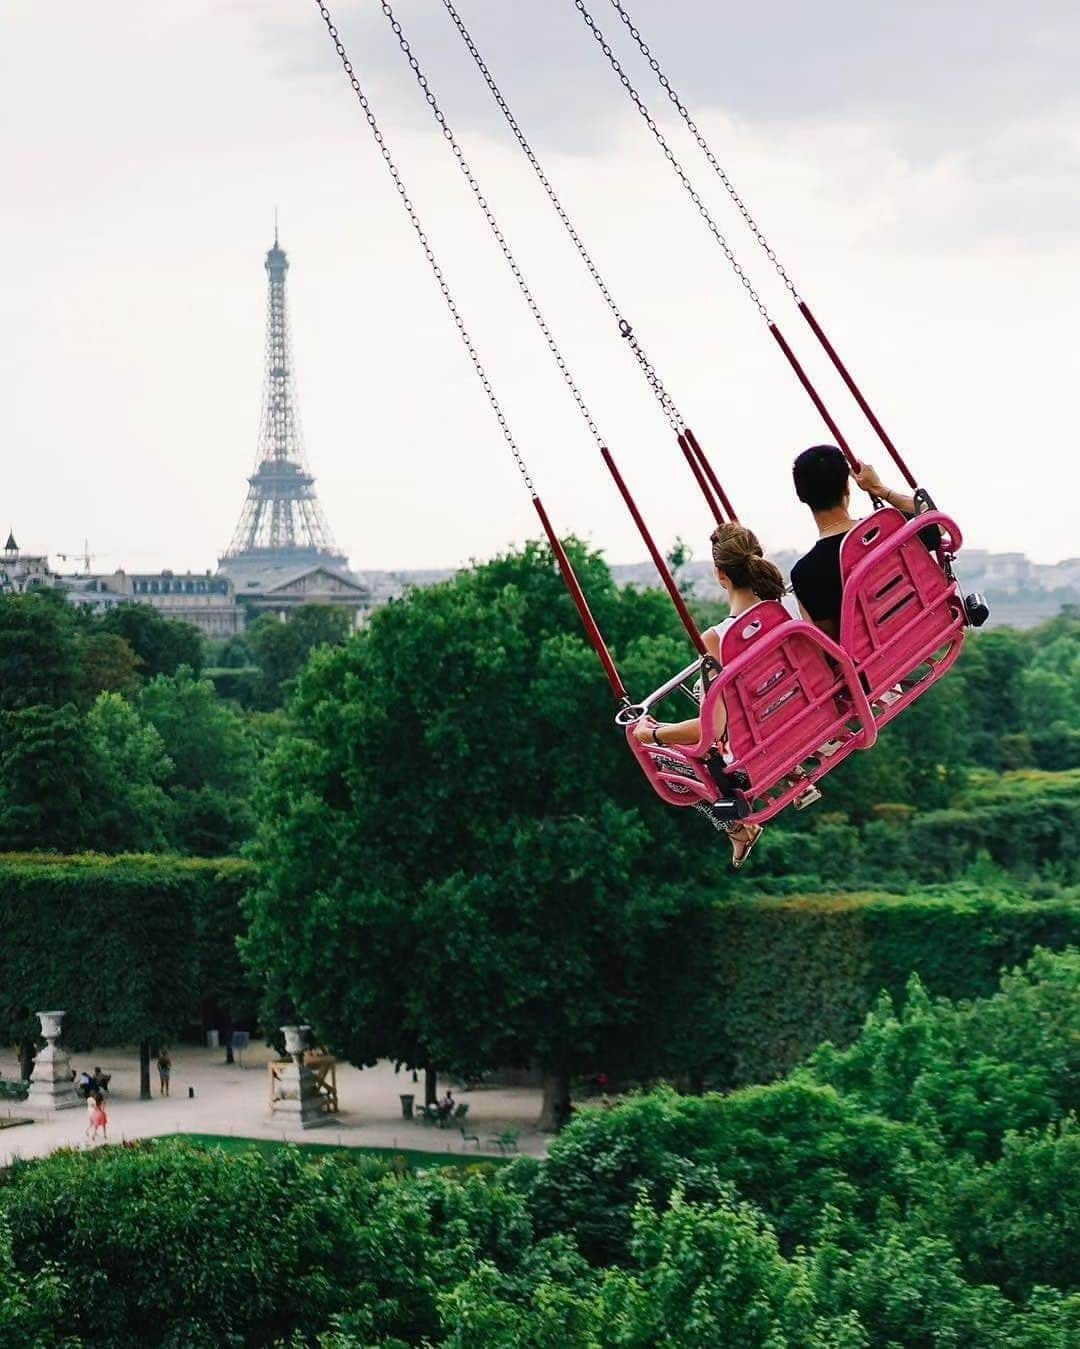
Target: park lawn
column 415, row 1159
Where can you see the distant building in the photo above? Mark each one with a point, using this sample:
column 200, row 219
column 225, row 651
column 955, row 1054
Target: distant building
column 208, row 602
column 21, row 572
column 264, row 588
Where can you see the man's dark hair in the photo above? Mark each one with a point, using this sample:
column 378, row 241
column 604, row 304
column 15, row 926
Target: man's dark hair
column 821, row 477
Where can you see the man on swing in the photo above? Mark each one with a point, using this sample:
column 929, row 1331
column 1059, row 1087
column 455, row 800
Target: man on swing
column 823, row 482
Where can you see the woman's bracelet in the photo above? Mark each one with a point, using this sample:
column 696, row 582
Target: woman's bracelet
column 656, row 736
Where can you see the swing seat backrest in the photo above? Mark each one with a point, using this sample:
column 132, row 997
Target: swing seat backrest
column 902, row 617
column 787, row 690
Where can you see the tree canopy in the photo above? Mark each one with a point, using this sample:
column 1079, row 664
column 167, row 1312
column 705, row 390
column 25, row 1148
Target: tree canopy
column 161, row 644
column 282, row 648
column 454, row 867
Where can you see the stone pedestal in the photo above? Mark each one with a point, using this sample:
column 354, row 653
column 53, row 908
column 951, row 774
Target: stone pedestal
column 295, row 1092
column 51, row 1087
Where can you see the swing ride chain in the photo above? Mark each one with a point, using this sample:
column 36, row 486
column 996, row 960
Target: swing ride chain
column 493, row 224
column 425, row 244
column 669, row 155
column 706, row 148
column 667, row 404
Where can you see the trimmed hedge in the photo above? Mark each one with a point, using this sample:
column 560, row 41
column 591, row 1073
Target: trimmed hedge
column 773, row 978
column 130, row 946
column 1023, row 820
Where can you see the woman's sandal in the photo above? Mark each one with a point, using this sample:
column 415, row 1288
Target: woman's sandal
column 750, row 833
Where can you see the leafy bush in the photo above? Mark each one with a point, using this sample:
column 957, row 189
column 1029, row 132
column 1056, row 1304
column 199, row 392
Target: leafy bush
column 1018, row 1222
column 241, row 1248
column 974, row 1071
column 793, row 1216
column 794, row 1149
column 32, row 1306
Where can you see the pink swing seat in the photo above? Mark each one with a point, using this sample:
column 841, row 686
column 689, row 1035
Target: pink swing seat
column 795, row 709
column 902, row 620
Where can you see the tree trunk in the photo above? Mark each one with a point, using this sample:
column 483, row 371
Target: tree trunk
column 226, row 1035
column 144, row 1071
column 555, row 1110
column 431, row 1087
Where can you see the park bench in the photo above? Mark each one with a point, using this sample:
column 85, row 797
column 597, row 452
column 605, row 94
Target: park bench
column 467, row 1137
column 13, row 1091
column 506, row 1142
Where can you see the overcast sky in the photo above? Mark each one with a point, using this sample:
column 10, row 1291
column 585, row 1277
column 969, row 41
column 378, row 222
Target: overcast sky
column 916, row 166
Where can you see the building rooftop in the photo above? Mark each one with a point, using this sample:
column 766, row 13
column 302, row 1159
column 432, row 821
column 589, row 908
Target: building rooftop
column 250, row 574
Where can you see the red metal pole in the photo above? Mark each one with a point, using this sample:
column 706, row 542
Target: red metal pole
column 696, row 470
column 710, row 473
column 804, row 380
column 573, row 585
column 657, row 557
column 856, row 393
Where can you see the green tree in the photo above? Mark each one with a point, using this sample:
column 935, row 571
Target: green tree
column 213, row 757
column 281, row 647
column 1018, row 1222
column 130, row 767
column 107, row 664
column 47, row 782
column 454, row 789
column 971, row 1072
column 37, row 654
column 714, row 1274
column 161, row 644
column 990, row 669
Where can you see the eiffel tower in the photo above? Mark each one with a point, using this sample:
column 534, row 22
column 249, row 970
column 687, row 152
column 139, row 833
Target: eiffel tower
column 282, row 523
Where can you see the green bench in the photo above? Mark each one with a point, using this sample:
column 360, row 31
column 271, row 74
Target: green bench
column 506, row 1142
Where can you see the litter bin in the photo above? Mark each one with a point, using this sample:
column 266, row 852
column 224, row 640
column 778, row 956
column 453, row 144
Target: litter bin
column 212, row 1039
column 407, row 1099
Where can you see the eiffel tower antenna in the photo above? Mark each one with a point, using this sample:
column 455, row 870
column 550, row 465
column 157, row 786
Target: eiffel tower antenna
column 282, row 521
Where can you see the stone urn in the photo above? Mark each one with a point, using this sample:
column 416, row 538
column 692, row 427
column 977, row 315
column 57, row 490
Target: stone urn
column 295, row 1090
column 294, row 1041
column 51, row 1085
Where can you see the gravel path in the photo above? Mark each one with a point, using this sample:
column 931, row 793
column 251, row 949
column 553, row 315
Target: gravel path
column 234, row 1100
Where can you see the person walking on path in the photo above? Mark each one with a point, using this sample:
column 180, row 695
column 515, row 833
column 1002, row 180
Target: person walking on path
column 98, row 1118
column 164, row 1068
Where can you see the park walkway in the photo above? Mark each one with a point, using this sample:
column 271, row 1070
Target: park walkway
column 233, row 1100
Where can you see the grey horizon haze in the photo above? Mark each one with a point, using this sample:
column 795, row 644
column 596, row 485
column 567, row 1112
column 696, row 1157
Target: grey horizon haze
column 915, row 166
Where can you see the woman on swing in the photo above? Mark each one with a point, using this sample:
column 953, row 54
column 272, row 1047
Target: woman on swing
column 747, row 577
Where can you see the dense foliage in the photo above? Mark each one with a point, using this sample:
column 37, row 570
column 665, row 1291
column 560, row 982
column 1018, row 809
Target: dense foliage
column 446, row 801
column 136, row 948
column 449, row 797
column 110, row 739
column 759, row 983
column 907, row 1192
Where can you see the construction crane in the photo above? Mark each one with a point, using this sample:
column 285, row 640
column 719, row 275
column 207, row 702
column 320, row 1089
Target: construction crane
column 85, row 557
